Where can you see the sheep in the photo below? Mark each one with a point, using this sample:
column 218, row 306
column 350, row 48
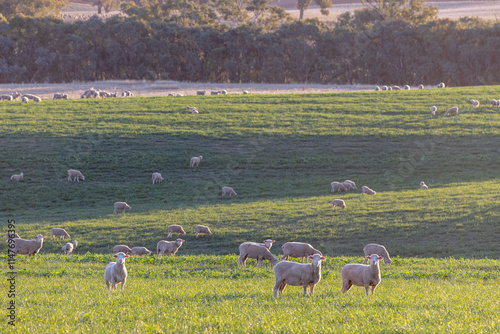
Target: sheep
column 121, row 206
column 407, row 87
column 246, row 92
column 24, row 99
column 215, row 92
column 338, row 203
column 451, row 111
column 385, row 88
column 75, row 175
column 420, row 86
column 201, row 229
column 115, row 272
column 121, row 248
column 175, row 229
column 68, row 248
column 195, row 161
column 11, row 236
column 168, row 247
column 380, row 250
column 377, row 88
column 423, row 185
column 60, row 96
column 475, row 103
column 348, row 185
column 441, row 85
column 396, row 87
column 494, row 103
column 298, row 249
column 433, row 110
column 28, row 247
column 126, row 93
column 6, row 97
column 60, row 232
column 353, row 185
column 368, row 191
column 223, row 92
column 201, row 92
column 255, row 251
column 140, row 251
column 338, row 187
column 193, row 110
column 361, row 275
column 157, row 178
column 17, row 177
column 228, row 190
column 15, row 95
column 297, row 274
column 32, row 97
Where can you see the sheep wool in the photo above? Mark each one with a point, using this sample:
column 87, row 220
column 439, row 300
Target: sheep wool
column 298, row 274
column 300, row 250
column 116, row 272
column 361, row 275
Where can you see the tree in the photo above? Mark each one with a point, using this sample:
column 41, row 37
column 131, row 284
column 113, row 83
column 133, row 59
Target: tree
column 411, row 11
column 38, row 8
column 302, row 5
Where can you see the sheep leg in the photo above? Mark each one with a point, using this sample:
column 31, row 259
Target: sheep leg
column 373, row 289
column 367, row 288
column 276, row 288
column 107, row 284
column 123, row 284
column 169, row 234
column 284, row 257
column 282, row 287
column 346, row 286
column 311, row 288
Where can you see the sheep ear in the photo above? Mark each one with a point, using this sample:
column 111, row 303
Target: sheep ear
column 272, row 241
column 127, row 255
column 368, row 256
column 183, row 240
column 115, row 255
column 380, row 257
column 322, row 258
column 44, row 236
column 310, row 257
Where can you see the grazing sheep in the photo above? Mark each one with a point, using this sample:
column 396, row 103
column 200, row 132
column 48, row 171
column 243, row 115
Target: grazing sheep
column 116, row 272
column 175, row 229
column 195, row 161
column 246, row 92
column 215, row 92
column 60, row 232
column 11, row 236
column 376, row 249
column 351, row 183
column 407, row 87
column 423, row 185
column 228, row 190
column 60, row 96
column 6, row 97
column 348, row 185
column 338, row 203
column 223, row 92
column 475, row 103
column 28, row 247
column 377, row 88
column 451, row 111
column 140, row 251
column 201, row 92
column 121, row 248
column 495, row 103
column 420, row 86
column 168, row 247
column 441, row 85
column 126, row 93
column 121, row 206
column 24, row 99
column 433, row 110
column 75, row 175
column 157, row 178
column 255, row 251
column 396, row 87
column 201, row 229
column 193, row 110
column 368, row 191
column 337, row 186
column 299, row 250
column 362, row 275
column 17, row 177
column 385, row 88
column 32, row 97
column 68, row 248
column 297, row 274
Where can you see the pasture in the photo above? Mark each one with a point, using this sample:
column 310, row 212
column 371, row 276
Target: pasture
column 279, row 153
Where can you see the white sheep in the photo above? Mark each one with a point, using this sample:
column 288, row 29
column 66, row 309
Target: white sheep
column 215, row 92
column 28, row 247
column 433, row 110
column 157, row 178
column 246, row 92
column 175, row 229
column 201, row 92
column 11, row 236
column 60, row 96
column 396, row 87
column 337, row 186
column 75, row 175
column 298, row 274
column 338, row 203
column 201, row 229
column 368, row 191
column 6, row 97
column 385, row 88
column 228, row 190
column 122, row 248
column 377, row 88
column 223, row 92
column 420, row 86
column 407, row 87
column 59, row 232
column 140, row 251
column 121, row 206
column 24, row 99
column 195, row 161
column 69, row 247
column 168, row 247
column 193, row 110
column 255, row 251
column 361, row 275
column 423, row 185
column 17, row 177
column 441, row 85
column 475, row 103
column 379, row 250
column 126, row 93
column 494, row 103
column 115, row 272
column 451, row 111
column 351, row 183
column 300, row 250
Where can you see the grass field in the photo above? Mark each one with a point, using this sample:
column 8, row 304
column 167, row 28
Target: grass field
column 280, row 153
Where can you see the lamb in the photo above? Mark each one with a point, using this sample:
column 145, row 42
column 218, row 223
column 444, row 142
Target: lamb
column 126, row 93
column 396, row 87
column 385, row 88
column 441, row 85
column 377, row 88
column 228, row 190
column 201, row 229
column 75, row 175
column 11, row 236
column 116, row 272
column 297, row 274
column 451, row 111
column 6, row 97
column 223, row 92
column 60, row 96
column 362, row 275
column 255, row 251
column 423, row 185
column 32, row 97
column 201, row 92
column 407, row 87
column 68, row 248
column 60, row 232
column 494, row 103
column 351, row 183
column 195, row 161
column 121, row 206
column 420, row 86
column 24, row 99
column 246, row 92
column 298, row 249
column 175, row 229
column 193, row 110
column 17, row 177
column 15, row 95
column 215, row 92
column 379, row 250
column 368, row 191
column 157, row 178
column 140, row 251
column 337, row 186
column 28, row 247
column 168, row 247
column 338, row 203
column 475, row 103
column 121, row 248
column 433, row 110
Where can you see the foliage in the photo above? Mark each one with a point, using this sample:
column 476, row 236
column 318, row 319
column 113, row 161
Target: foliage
column 38, row 8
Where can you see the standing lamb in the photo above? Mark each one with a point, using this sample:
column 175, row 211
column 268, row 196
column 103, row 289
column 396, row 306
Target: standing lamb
column 201, row 229
column 28, row 247
column 362, row 275
column 121, row 206
column 195, row 161
column 451, row 111
column 201, row 92
column 494, row 103
column 175, row 229
column 140, row 251
column 420, row 86
column 157, row 178
column 423, row 185
column 475, row 103
column 351, row 183
column 255, row 251
column 337, row 186
column 168, row 247
column 298, row 249
column 24, row 99
column 338, row 203
column 433, row 110
column 297, row 274
column 69, row 247
column 60, row 232
column 228, row 190
column 407, row 87
column 441, row 85
column 379, row 250
column 368, row 191
column 116, row 272
column 75, row 175
column 60, row 96
column 17, row 177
